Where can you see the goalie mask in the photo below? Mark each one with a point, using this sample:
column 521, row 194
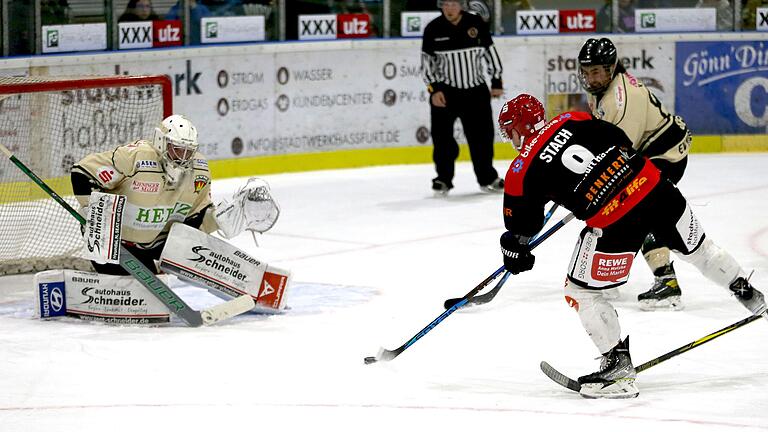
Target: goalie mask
column 597, row 63
column 524, row 115
column 176, row 142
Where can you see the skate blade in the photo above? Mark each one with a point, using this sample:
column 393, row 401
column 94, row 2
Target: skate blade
column 440, row 194
column 621, row 389
column 669, row 303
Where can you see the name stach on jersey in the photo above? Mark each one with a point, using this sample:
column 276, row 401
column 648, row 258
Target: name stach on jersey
column 543, row 139
column 571, row 162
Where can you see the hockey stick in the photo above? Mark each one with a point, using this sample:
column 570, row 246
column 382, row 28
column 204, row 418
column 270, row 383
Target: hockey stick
column 487, row 297
column 148, row 279
column 386, row 355
column 574, row 385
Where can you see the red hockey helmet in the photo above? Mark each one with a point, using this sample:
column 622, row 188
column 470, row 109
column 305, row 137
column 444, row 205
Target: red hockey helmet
column 523, row 114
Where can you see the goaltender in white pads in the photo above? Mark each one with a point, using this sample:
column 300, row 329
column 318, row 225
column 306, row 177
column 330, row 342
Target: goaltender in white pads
column 164, row 181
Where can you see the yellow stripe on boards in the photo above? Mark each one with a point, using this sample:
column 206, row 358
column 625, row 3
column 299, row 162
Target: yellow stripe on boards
column 259, row 165
column 275, row 164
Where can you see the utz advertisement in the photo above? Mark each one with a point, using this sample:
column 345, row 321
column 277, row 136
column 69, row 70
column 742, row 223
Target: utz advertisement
column 578, row 21
column 722, row 87
column 351, row 26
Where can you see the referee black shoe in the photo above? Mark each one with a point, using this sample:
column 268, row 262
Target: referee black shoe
column 440, row 188
column 496, row 186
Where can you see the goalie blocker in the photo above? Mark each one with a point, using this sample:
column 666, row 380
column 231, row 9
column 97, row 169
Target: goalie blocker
column 103, row 227
column 223, row 269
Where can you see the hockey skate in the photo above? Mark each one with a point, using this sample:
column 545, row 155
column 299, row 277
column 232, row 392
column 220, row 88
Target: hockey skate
column 747, row 295
column 665, row 292
column 440, row 188
column 616, row 377
column 496, row 186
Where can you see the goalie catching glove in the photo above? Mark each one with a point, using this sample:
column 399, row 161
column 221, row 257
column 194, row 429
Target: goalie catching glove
column 517, row 253
column 250, row 208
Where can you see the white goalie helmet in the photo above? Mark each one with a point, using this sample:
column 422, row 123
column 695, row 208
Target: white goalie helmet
column 175, row 140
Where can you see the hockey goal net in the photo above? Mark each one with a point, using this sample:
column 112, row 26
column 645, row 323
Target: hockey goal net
column 50, row 123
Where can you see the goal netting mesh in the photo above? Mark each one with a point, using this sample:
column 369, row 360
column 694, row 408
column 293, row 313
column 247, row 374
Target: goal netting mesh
column 49, row 123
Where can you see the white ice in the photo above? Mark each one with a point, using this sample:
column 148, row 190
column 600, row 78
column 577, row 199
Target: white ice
column 373, row 256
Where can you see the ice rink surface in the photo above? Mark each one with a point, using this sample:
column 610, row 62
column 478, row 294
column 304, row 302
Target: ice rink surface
column 373, row 256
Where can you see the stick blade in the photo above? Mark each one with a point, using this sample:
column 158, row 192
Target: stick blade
column 384, row 355
column 227, row 310
column 559, row 378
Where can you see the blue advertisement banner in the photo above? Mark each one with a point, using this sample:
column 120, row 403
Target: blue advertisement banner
column 722, row 87
column 53, row 301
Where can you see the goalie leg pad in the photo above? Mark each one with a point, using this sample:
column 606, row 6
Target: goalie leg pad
column 225, row 270
column 96, row 297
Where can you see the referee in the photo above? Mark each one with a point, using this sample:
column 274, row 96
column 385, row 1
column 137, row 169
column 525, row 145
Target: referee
column 454, row 48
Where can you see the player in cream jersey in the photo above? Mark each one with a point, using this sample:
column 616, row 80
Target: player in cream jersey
column 135, row 170
column 164, row 181
column 614, row 95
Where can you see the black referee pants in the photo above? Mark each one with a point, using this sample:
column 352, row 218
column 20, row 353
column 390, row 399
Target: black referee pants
column 473, row 107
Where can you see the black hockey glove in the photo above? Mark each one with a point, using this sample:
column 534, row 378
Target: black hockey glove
column 517, row 253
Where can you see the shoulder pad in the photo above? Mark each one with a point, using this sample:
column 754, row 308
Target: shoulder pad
column 136, row 156
column 200, row 162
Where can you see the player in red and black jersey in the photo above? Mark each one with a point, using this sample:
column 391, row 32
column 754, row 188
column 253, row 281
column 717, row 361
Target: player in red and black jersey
column 589, row 167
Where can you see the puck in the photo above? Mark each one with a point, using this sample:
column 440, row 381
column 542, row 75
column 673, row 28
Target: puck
column 369, row 360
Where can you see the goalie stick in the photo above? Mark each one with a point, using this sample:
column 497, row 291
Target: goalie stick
column 138, row 270
column 386, row 355
column 487, row 297
column 574, row 385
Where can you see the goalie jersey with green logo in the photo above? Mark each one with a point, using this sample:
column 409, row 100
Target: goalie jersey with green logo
column 152, row 205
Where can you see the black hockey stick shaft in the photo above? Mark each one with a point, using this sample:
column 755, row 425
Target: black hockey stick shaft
column 485, row 298
column 127, row 261
column 574, row 385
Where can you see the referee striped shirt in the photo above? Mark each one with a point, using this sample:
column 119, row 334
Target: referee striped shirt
column 460, row 55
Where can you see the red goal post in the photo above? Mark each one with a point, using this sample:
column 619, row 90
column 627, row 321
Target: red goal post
column 49, row 123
